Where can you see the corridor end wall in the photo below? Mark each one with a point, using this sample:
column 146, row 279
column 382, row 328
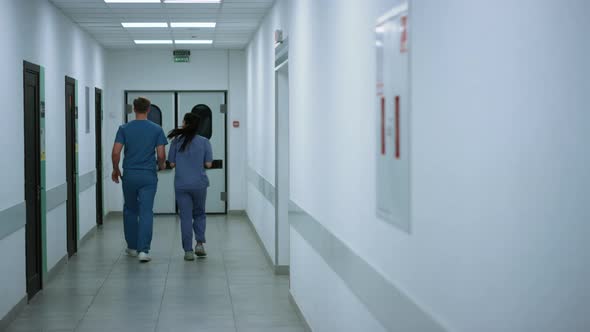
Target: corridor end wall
column 155, row 70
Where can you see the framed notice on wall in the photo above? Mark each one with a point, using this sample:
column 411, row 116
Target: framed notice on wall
column 393, row 117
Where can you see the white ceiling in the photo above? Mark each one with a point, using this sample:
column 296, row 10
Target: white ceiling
column 237, row 20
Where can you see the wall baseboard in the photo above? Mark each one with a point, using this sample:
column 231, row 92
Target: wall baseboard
column 13, row 313
column 54, row 271
column 113, row 214
column 278, row 269
column 306, row 326
column 260, row 243
column 88, row 235
column 282, row 270
column 236, row 213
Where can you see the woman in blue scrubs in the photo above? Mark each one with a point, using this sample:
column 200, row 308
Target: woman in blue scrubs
column 191, row 154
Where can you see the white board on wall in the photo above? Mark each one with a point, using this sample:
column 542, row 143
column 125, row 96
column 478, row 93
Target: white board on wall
column 393, row 117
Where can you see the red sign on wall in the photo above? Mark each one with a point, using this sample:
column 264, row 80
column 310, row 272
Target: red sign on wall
column 392, row 127
column 397, row 128
column 403, row 47
column 382, row 125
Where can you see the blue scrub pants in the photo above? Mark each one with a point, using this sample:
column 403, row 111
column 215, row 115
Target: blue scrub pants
column 191, row 208
column 139, row 190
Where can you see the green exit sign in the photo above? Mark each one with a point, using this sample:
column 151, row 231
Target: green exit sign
column 181, row 55
column 182, row 59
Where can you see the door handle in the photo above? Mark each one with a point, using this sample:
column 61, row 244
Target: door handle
column 217, row 164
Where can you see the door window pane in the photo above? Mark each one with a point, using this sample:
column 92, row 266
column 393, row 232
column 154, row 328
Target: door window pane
column 155, row 115
column 204, row 113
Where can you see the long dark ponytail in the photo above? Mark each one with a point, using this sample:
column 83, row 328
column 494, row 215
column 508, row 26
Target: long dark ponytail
column 188, row 131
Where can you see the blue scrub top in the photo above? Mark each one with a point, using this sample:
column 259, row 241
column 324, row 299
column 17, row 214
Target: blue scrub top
column 140, row 139
column 190, row 163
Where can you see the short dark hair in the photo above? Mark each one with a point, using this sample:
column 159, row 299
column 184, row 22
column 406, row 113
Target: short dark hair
column 141, row 105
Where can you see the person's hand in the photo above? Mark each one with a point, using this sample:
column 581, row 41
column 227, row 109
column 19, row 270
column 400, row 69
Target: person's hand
column 116, row 175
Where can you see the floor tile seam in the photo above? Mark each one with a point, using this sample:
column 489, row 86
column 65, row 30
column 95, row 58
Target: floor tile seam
column 228, row 285
column 97, row 292
column 166, row 280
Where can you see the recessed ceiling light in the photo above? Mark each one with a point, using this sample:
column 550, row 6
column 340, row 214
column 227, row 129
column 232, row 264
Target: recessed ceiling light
column 192, row 1
column 158, row 41
column 132, row 1
column 192, row 24
column 144, row 25
column 194, row 41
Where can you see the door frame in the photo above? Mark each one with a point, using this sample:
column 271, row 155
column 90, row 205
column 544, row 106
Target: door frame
column 176, row 92
column 33, row 208
column 98, row 155
column 71, row 172
column 282, row 189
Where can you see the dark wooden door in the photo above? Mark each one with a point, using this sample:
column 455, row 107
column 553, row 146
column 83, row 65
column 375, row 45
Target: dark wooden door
column 71, row 167
column 98, row 149
column 32, row 120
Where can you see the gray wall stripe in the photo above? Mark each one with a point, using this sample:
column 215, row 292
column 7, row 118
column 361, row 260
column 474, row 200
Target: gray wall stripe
column 87, row 180
column 12, row 219
column 393, row 309
column 266, row 189
column 56, row 196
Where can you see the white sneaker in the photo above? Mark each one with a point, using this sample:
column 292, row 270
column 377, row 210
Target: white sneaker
column 200, row 251
column 189, row 256
column 131, row 252
column 144, row 258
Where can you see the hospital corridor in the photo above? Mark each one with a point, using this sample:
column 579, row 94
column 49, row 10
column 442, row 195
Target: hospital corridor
column 295, row 166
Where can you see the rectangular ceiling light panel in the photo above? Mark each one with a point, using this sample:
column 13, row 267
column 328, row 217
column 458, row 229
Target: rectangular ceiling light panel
column 132, row 1
column 157, row 42
column 192, row 24
column 145, row 25
column 192, row 1
column 194, row 41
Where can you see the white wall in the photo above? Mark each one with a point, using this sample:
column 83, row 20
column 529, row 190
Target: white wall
column 261, row 122
column 282, row 165
column 499, row 176
column 37, row 32
column 155, row 70
column 57, row 235
column 237, row 136
column 87, row 202
column 12, row 279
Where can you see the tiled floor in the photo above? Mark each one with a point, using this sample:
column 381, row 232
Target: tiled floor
column 101, row 289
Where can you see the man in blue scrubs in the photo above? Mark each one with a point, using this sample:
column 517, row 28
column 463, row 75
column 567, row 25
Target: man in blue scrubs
column 141, row 139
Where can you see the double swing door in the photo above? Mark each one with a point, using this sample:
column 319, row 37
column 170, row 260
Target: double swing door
column 168, row 110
